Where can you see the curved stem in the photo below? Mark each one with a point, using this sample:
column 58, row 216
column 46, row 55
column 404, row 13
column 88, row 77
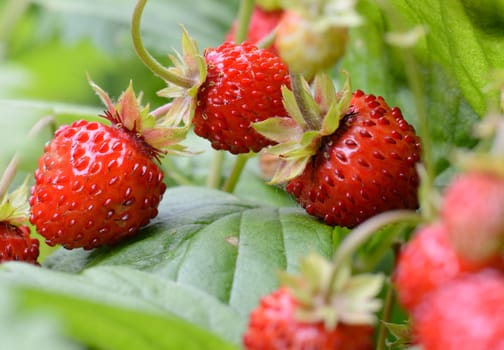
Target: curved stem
column 11, row 170
column 232, row 180
column 151, row 63
column 364, row 231
column 244, row 15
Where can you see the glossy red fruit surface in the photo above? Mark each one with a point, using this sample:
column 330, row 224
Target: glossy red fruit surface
column 95, row 185
column 16, row 244
column 243, row 86
column 273, row 327
column 366, row 167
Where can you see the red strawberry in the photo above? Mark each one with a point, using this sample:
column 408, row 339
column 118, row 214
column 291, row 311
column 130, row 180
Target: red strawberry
column 426, row 263
column 273, row 326
column 15, row 240
column 473, row 211
column 262, row 23
column 365, row 167
column 464, row 314
column 221, row 92
column 16, row 244
column 97, row 184
column 242, row 87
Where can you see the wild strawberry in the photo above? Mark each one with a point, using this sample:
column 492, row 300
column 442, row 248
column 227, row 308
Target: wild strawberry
column 15, row 241
column 464, row 314
column 242, row 87
column 273, row 326
column 262, row 24
column 313, row 36
column 473, row 211
column 221, row 92
column 310, row 312
column 97, row 184
column 354, row 162
column 426, row 263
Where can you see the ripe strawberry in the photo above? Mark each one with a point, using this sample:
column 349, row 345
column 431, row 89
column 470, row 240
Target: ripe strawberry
column 473, row 211
column 262, row 23
column 221, row 92
column 427, row 262
column 97, row 184
column 15, row 240
column 321, row 307
column 464, row 314
column 273, row 326
column 242, row 87
column 16, row 244
column 365, row 167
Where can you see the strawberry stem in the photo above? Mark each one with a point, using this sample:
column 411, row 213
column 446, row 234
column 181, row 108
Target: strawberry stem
column 151, row 63
column 11, row 170
column 234, row 176
column 310, row 116
column 215, row 175
column 381, row 343
column 363, row 232
column 244, row 15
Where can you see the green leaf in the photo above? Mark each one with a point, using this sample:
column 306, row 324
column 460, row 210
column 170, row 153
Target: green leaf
column 457, row 41
column 227, row 247
column 21, row 330
column 118, row 290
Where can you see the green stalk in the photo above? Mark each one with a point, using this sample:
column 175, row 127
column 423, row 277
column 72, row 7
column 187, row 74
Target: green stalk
column 9, row 15
column 11, row 170
column 364, row 231
column 244, row 15
column 381, row 343
column 214, row 178
column 234, row 176
column 151, row 63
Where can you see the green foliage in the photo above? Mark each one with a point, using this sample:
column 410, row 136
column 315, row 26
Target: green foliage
column 190, row 278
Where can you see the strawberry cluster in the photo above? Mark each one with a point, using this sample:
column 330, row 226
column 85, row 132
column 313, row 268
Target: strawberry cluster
column 450, row 275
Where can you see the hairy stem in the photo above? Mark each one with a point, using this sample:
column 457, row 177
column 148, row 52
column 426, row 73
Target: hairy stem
column 151, row 63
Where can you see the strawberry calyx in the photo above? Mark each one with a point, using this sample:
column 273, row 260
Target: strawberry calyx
column 311, row 117
column 187, row 73
column 159, row 135
column 330, row 294
column 14, row 207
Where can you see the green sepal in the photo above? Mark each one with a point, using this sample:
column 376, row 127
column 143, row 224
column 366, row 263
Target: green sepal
column 337, row 105
column 14, row 207
column 292, row 108
column 279, row 129
column 330, row 294
column 314, row 114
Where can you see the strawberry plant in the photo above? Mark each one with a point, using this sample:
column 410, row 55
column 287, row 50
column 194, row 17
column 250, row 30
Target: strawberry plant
column 322, row 174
